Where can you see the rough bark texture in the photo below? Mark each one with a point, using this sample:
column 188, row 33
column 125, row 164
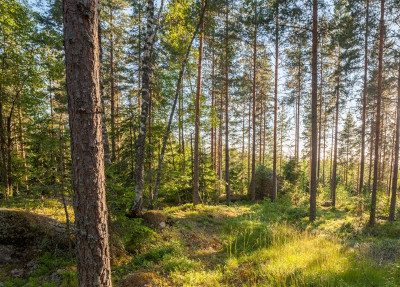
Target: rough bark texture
column 84, row 106
column 378, row 115
column 314, row 117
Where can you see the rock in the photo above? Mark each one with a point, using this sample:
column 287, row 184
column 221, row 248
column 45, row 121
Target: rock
column 155, row 219
column 6, row 254
column 56, row 277
column 20, row 228
column 326, row 204
column 17, row 272
column 31, row 266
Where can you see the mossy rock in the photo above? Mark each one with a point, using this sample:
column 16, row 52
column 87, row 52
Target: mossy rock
column 156, row 219
column 22, row 228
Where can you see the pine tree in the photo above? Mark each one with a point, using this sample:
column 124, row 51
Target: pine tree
column 83, row 88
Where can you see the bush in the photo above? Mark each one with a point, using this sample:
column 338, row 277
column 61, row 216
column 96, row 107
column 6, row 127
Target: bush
column 291, row 171
column 263, row 182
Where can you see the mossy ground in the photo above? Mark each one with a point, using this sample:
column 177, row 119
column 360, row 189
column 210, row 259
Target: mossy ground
column 263, row 244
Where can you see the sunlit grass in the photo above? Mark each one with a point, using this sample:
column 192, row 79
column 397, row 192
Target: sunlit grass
column 265, row 244
column 48, row 206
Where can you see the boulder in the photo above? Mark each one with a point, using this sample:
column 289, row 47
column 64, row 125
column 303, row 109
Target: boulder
column 21, row 228
column 156, row 219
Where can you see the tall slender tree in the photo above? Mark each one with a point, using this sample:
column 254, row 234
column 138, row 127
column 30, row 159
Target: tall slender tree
column 392, row 210
column 275, row 147
column 364, row 99
column 314, row 116
column 226, row 91
column 147, row 73
column 196, row 171
column 372, row 216
column 253, row 111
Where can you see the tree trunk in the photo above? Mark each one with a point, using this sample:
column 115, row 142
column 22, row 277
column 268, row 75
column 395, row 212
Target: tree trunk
column 9, row 145
column 392, row 211
column 274, row 172
column 297, row 112
column 243, row 148
column 212, row 144
column 84, row 106
column 364, row 100
column 249, row 122
column 22, row 148
column 178, row 90
column 320, row 108
column 314, row 116
column 253, row 115
column 226, row 68
column 63, row 189
column 147, row 73
column 378, row 115
column 335, row 147
column 3, row 158
column 196, row 196
column 112, row 91
column 106, row 145
column 324, row 147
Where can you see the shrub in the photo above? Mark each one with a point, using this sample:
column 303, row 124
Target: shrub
column 263, row 182
column 291, row 171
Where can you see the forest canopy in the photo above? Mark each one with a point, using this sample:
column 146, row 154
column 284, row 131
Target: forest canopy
column 283, row 116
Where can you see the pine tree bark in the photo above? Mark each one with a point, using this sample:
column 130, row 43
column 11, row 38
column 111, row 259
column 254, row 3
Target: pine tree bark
column 372, row 216
column 84, row 106
column 314, row 116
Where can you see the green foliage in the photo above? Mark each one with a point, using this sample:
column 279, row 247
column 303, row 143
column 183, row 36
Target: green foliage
column 140, row 236
column 52, row 269
column 263, row 181
column 291, row 171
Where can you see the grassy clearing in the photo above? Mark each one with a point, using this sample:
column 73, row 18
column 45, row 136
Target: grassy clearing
column 47, row 206
column 265, row 244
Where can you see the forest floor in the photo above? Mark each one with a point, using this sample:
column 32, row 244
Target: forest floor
column 264, row 244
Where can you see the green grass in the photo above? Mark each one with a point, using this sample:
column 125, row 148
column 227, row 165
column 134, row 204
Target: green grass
column 273, row 244
column 263, row 244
